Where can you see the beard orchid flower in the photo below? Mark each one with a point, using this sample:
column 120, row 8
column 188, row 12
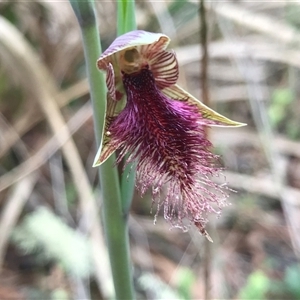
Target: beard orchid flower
column 161, row 127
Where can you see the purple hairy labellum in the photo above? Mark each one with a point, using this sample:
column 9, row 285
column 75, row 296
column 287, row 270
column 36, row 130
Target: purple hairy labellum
column 162, row 128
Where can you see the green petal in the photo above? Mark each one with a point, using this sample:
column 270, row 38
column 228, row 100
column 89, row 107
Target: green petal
column 177, row 93
column 114, row 107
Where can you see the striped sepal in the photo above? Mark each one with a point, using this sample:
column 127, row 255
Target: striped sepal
column 164, row 67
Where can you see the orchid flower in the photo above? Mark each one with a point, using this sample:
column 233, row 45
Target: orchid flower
column 162, row 127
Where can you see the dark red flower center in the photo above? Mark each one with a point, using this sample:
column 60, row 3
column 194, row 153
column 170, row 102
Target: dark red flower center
column 161, row 132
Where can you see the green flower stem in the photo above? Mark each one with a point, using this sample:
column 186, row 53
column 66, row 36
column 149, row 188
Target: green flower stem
column 126, row 22
column 115, row 223
column 126, row 16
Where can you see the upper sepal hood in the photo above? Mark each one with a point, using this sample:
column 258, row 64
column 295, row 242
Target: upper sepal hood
column 154, row 42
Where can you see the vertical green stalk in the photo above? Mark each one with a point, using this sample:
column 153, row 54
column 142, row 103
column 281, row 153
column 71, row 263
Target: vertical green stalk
column 126, row 16
column 114, row 222
column 126, row 22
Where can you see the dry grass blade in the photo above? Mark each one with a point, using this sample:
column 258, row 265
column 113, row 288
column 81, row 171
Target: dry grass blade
column 283, row 33
column 40, row 84
column 231, row 138
column 267, row 187
column 46, row 151
column 258, row 22
column 248, row 47
column 164, row 18
column 30, row 118
column 263, row 186
column 13, row 208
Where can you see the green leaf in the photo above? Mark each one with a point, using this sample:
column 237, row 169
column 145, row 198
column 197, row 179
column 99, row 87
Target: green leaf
column 256, row 287
column 126, row 16
column 59, row 294
column 282, row 96
column 292, row 280
column 185, row 279
column 276, row 114
column 44, row 230
column 159, row 289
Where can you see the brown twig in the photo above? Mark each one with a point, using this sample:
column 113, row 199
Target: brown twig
column 205, row 100
column 204, row 60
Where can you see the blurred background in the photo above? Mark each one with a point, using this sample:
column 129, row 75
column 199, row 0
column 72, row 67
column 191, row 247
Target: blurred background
column 48, row 247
